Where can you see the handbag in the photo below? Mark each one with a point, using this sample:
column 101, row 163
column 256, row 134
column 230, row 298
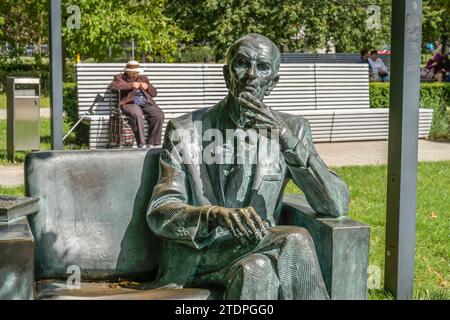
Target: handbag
column 120, row 132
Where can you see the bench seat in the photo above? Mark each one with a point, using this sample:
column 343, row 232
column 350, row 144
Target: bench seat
column 92, row 217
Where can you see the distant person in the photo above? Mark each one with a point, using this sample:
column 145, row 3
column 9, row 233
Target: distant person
column 428, row 72
column 364, row 58
column 442, row 69
column 379, row 69
column 137, row 95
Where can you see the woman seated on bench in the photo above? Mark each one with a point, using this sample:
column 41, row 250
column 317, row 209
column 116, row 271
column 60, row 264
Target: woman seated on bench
column 137, row 94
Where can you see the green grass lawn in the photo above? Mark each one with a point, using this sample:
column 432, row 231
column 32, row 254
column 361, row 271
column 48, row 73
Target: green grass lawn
column 12, row 191
column 368, row 205
column 45, row 141
column 368, row 196
column 45, row 101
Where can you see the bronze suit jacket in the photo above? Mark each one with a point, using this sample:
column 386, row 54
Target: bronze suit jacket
column 194, row 248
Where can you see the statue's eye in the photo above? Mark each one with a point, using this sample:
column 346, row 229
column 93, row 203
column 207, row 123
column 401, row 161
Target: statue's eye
column 263, row 67
column 241, row 62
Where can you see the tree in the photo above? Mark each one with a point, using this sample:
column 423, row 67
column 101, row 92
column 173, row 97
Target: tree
column 109, row 24
column 292, row 24
column 436, row 21
column 103, row 24
column 353, row 25
column 23, row 22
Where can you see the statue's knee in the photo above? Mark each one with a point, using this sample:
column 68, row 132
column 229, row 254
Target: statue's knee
column 298, row 234
column 290, row 231
column 255, row 261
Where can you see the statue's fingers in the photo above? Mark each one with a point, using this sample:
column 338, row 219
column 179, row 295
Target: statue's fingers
column 261, row 118
column 249, row 222
column 249, row 97
column 253, row 103
column 240, row 226
column 230, row 228
column 260, row 110
column 255, row 216
column 260, row 126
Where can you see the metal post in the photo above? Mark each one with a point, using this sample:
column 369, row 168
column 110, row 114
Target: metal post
column 132, row 49
column 56, row 77
column 403, row 145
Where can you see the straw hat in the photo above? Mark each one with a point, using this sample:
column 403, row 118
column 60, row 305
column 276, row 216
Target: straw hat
column 133, row 66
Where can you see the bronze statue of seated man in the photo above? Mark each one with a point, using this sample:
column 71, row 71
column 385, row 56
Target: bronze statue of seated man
column 217, row 202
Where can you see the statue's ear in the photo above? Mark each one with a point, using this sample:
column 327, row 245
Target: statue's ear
column 273, row 84
column 226, row 76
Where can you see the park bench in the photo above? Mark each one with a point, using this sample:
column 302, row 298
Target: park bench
column 329, row 58
column 333, row 97
column 92, row 217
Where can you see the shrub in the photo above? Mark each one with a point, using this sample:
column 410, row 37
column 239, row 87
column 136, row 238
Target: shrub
column 33, row 67
column 14, row 69
column 200, row 54
column 434, row 96
column 70, row 102
column 70, row 106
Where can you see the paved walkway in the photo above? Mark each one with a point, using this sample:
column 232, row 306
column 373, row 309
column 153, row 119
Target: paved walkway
column 334, row 154
column 45, row 113
column 375, row 152
column 11, row 176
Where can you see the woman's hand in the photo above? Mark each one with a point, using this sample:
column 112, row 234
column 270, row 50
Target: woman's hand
column 136, row 85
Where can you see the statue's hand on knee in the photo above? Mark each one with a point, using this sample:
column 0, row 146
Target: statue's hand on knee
column 243, row 223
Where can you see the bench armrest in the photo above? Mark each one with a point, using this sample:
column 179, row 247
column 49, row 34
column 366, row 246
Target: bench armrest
column 16, row 261
column 342, row 246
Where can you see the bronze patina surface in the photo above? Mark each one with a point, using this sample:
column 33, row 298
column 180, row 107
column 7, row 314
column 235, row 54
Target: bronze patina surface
column 220, row 219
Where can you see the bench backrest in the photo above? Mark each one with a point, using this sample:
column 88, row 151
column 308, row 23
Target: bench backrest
column 92, row 213
column 328, row 58
column 183, row 88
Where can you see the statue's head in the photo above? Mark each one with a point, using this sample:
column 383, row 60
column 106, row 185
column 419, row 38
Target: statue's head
column 253, row 62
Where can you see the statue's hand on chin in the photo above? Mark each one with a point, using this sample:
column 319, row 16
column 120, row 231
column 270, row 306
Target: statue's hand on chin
column 260, row 116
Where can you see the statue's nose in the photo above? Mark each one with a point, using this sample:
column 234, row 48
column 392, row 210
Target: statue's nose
column 251, row 72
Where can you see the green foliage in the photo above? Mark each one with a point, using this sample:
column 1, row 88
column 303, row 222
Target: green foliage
column 158, row 26
column 45, row 134
column 103, row 24
column 368, row 205
column 23, row 22
column 199, row 54
column 434, row 96
column 70, row 107
column 292, row 25
column 70, row 102
column 436, row 22
column 12, row 191
column 113, row 23
column 346, row 24
column 24, row 68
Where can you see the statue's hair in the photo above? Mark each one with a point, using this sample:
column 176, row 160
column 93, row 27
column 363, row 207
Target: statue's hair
column 259, row 37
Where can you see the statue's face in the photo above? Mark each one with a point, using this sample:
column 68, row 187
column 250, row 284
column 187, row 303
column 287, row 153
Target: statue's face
column 251, row 70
